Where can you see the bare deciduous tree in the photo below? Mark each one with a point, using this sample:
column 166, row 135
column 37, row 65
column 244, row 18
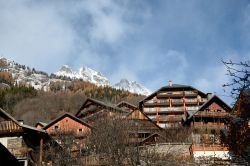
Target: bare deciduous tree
column 240, row 76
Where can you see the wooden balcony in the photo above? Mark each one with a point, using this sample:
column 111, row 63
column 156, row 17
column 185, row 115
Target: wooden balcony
column 156, row 104
column 212, row 114
column 9, row 127
column 175, row 102
column 164, row 112
column 209, row 125
column 165, row 95
column 166, row 119
column 176, row 95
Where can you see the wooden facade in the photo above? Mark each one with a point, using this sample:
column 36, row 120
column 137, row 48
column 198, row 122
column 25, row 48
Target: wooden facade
column 142, row 129
column 22, row 141
column 92, row 110
column 168, row 105
column 126, row 106
column 213, row 114
column 68, row 124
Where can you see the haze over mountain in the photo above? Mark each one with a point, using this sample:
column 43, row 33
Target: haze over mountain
column 41, row 80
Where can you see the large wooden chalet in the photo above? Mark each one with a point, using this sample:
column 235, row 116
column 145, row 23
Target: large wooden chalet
column 168, row 105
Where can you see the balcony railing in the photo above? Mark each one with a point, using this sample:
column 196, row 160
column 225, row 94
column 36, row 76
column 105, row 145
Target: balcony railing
column 211, row 114
column 167, row 119
column 209, row 125
column 164, row 112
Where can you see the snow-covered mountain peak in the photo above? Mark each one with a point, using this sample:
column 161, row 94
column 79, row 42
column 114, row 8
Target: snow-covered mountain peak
column 65, row 69
column 24, row 75
column 84, row 73
column 132, row 86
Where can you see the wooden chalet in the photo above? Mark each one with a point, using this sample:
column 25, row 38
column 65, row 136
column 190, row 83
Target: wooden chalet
column 214, row 114
column 23, row 141
column 68, row 124
column 69, row 131
column 126, row 106
column 142, row 129
column 168, row 105
column 92, row 110
column 208, row 123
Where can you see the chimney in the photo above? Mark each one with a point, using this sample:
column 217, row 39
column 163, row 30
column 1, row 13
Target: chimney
column 209, row 95
column 170, row 83
column 20, row 121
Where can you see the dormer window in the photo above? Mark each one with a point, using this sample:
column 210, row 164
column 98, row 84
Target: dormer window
column 56, row 127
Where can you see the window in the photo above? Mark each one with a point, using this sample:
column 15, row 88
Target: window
column 218, row 110
column 56, row 127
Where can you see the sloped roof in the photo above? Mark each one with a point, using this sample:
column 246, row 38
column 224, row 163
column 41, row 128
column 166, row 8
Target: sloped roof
column 108, row 106
column 19, row 124
column 41, row 123
column 173, row 87
column 9, row 116
column 127, row 103
column 150, row 120
column 63, row 116
column 152, row 136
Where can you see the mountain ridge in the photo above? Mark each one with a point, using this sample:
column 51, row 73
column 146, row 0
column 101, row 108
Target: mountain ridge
column 41, row 80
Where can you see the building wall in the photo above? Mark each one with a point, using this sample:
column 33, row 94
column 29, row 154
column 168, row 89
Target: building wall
column 167, row 108
column 68, row 125
column 206, row 154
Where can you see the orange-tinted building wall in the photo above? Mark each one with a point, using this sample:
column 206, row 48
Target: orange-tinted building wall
column 68, row 125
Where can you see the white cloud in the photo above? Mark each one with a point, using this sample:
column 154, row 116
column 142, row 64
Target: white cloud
column 212, row 79
column 35, row 36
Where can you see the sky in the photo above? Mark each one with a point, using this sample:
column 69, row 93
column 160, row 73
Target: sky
column 148, row 41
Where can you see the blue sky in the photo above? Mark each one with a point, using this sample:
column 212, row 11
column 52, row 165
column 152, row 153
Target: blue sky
column 149, row 41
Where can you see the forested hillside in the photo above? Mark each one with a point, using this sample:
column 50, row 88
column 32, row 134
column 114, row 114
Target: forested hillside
column 32, row 105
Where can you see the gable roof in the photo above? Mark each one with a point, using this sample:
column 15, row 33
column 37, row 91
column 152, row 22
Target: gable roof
column 150, row 120
column 126, row 103
column 152, row 136
column 41, row 124
column 108, row 106
column 173, row 87
column 214, row 98
column 23, row 126
column 63, row 116
column 8, row 116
